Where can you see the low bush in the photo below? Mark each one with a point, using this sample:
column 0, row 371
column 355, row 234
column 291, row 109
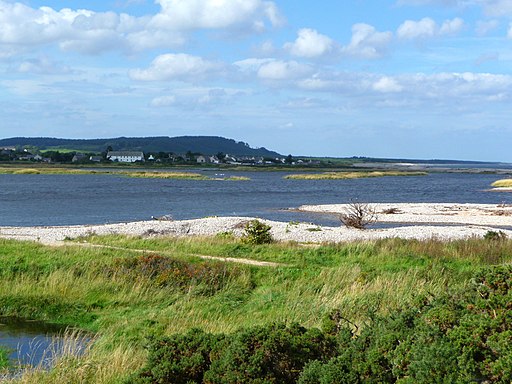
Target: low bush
column 495, row 235
column 256, row 232
column 461, row 337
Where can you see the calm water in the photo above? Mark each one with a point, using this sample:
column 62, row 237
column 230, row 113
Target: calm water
column 31, row 342
column 27, row 200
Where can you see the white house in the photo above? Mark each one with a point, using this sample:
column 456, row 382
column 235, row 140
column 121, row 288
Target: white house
column 125, row 156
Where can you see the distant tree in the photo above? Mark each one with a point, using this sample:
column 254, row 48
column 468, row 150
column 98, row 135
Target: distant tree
column 289, row 159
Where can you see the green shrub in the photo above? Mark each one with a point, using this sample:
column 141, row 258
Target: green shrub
column 458, row 337
column 268, row 354
column 495, row 236
column 179, row 359
column 256, row 232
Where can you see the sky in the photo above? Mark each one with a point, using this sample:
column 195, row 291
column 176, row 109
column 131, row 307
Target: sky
column 423, row 79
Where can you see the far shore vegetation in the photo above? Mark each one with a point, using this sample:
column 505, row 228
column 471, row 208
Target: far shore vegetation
column 134, row 174
column 148, row 296
column 504, row 183
column 351, row 175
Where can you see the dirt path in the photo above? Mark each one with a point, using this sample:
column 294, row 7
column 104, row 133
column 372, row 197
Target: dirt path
column 205, row 257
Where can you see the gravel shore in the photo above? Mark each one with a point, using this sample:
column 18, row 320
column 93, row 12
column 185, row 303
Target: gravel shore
column 425, row 221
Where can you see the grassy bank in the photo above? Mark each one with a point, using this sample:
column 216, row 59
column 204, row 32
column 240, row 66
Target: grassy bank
column 128, row 296
column 351, row 175
column 505, row 183
column 134, row 174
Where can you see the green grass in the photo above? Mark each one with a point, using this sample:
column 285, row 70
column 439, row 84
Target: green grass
column 5, row 362
column 125, row 297
column 351, row 175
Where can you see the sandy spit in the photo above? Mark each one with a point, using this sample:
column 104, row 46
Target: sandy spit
column 464, row 221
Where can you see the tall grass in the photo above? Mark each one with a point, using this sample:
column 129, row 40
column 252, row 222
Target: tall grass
column 126, row 296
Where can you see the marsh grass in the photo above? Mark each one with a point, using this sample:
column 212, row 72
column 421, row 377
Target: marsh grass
column 46, row 171
column 164, row 175
column 133, row 174
column 504, row 183
column 351, row 175
column 119, row 295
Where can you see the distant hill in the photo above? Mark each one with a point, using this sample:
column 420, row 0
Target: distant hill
column 207, row 145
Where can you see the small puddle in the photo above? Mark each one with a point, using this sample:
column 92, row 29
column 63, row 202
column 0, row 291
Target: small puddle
column 35, row 343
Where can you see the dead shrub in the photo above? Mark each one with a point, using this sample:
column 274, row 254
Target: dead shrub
column 358, row 215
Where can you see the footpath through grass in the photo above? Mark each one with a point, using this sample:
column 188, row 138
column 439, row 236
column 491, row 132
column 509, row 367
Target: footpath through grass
column 127, row 297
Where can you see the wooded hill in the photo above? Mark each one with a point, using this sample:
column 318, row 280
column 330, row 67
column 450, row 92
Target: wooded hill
column 207, row 145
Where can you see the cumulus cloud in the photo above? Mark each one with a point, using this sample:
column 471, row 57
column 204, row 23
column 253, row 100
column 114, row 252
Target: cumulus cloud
column 216, row 14
column 94, row 32
column 177, row 67
column 42, row 65
column 494, row 8
column 483, row 27
column 386, row 85
column 283, row 70
column 311, row 44
column 367, row 42
column 428, row 28
column 163, row 101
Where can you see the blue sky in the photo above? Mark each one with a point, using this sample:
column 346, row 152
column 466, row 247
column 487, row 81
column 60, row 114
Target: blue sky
column 399, row 78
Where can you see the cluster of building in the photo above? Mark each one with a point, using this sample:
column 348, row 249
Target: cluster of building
column 13, row 153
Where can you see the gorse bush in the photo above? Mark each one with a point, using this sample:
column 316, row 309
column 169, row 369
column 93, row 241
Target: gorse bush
column 461, row 337
column 268, row 354
column 256, row 232
column 164, row 271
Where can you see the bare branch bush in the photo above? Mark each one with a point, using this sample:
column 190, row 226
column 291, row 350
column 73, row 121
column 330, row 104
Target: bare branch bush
column 358, row 215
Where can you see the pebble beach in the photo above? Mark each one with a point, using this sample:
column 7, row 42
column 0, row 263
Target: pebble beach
column 421, row 221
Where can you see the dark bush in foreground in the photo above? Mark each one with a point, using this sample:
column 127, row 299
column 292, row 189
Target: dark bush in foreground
column 178, row 359
column 463, row 337
column 271, row 354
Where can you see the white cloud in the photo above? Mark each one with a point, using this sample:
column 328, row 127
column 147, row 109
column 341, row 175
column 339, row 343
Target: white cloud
column 42, row 65
column 310, row 44
column 367, row 42
column 483, row 27
column 451, row 27
column 177, row 67
column 163, row 101
column 493, row 8
column 387, row 85
column 428, row 28
column 283, row 70
column 424, row 28
column 252, row 64
column 497, row 8
column 94, row 32
column 215, row 14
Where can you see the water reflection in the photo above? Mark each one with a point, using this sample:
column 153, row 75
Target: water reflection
column 35, row 343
